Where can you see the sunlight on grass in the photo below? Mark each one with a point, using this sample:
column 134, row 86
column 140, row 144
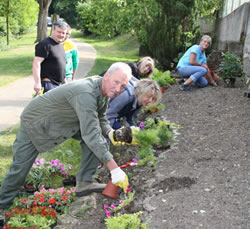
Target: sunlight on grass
column 16, row 62
column 123, row 48
column 7, row 138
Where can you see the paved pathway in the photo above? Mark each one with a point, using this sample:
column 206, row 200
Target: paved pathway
column 15, row 96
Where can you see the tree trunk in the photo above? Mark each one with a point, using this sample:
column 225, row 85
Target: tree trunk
column 42, row 19
column 8, row 24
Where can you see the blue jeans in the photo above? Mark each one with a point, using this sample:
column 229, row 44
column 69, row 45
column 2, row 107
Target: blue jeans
column 48, row 86
column 196, row 73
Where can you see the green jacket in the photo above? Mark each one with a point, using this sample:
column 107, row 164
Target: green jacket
column 59, row 114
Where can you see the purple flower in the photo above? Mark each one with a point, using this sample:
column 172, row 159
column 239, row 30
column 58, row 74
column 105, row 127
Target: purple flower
column 69, row 166
column 141, row 125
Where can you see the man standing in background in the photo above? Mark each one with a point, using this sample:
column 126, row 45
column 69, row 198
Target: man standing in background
column 71, row 56
column 49, row 63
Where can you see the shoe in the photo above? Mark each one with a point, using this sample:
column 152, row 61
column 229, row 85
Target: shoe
column 181, row 81
column 185, row 87
column 2, row 218
column 213, row 84
column 84, row 188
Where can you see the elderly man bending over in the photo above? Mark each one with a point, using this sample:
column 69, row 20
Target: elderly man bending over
column 72, row 110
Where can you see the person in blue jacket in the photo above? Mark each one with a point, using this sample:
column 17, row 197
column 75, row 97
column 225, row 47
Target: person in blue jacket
column 124, row 109
column 193, row 65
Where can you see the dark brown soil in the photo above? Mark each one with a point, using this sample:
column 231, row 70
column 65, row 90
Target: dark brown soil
column 201, row 182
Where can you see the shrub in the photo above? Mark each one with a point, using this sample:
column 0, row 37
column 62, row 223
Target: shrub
column 230, row 66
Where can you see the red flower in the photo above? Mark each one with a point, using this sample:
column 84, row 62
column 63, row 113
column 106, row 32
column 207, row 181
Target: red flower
column 42, row 200
column 23, row 201
column 52, row 201
column 34, row 203
column 156, row 110
column 8, row 214
column 52, row 213
column 65, row 197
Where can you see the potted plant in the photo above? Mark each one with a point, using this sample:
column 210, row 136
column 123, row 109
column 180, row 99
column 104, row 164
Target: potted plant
column 230, row 68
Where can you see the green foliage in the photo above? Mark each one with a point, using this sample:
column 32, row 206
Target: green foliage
column 163, row 78
column 147, row 137
column 164, row 133
column 155, row 132
column 230, row 66
column 66, row 10
column 126, row 202
column 28, row 221
column 22, row 15
column 131, row 221
column 153, row 108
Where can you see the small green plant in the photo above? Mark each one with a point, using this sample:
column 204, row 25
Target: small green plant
column 31, row 221
column 153, row 132
column 230, row 66
column 153, row 108
column 163, row 78
column 131, row 221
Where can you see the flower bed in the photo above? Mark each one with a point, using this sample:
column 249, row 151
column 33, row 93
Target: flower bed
column 40, row 209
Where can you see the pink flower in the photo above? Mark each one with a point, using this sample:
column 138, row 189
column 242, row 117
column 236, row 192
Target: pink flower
column 129, row 189
column 134, row 160
column 56, row 162
column 42, row 161
column 105, row 206
column 108, row 214
column 69, row 166
column 113, row 206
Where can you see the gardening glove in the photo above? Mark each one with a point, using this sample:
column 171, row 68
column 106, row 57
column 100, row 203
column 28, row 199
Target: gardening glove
column 119, row 178
column 134, row 131
column 111, row 136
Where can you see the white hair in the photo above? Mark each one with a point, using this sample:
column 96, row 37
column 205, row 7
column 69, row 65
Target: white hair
column 121, row 66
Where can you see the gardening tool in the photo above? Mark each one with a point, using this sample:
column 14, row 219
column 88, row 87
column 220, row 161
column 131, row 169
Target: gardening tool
column 130, row 164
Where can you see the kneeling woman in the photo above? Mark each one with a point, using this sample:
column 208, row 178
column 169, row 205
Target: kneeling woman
column 193, row 65
column 124, row 109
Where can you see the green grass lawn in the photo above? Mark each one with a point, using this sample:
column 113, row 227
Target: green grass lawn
column 16, row 62
column 123, row 48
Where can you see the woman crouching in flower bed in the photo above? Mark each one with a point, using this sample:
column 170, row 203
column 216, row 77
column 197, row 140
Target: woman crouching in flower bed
column 46, row 203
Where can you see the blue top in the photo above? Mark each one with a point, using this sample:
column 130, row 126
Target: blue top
column 123, row 106
column 200, row 56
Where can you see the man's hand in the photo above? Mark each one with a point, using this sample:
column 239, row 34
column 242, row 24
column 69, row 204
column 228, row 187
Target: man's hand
column 123, row 135
column 37, row 88
column 112, row 139
column 119, row 178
